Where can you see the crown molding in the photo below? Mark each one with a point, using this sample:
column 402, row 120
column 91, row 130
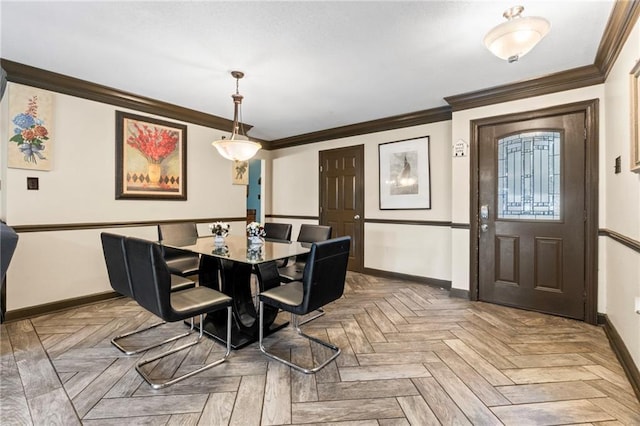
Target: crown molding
column 48, row 80
column 565, row 80
column 623, row 18
column 389, row 123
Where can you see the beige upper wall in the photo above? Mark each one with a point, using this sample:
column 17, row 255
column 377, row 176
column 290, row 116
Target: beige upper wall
column 622, row 191
column 81, row 186
column 295, row 174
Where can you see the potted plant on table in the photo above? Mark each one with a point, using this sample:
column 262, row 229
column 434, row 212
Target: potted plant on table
column 219, row 231
column 255, row 234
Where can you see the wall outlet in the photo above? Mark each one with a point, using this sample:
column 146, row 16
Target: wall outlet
column 638, row 305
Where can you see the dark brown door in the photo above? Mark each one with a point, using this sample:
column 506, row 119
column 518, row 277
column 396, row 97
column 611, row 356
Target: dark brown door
column 342, row 197
column 532, row 214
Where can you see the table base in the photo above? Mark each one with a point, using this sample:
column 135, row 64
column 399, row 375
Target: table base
column 238, row 339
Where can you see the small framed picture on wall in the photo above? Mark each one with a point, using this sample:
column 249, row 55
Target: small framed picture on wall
column 405, row 174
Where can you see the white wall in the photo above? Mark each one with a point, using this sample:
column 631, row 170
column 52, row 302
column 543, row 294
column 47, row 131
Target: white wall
column 409, row 249
column 57, row 265
column 622, row 193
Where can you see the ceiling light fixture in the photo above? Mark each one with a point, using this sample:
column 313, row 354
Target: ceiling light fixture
column 238, row 147
column 513, row 39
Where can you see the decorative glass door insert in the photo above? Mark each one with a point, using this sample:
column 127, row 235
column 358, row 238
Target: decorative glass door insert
column 529, row 176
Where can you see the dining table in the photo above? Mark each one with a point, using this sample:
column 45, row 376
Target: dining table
column 228, row 267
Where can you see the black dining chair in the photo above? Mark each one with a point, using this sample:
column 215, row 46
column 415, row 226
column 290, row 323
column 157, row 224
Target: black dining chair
column 8, row 243
column 151, row 285
column 308, row 234
column 290, row 272
column 115, row 256
column 278, row 232
column 180, row 262
column 322, row 283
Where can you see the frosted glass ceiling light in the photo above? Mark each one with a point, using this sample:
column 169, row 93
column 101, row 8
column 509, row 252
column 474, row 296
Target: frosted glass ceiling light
column 515, row 38
column 238, row 147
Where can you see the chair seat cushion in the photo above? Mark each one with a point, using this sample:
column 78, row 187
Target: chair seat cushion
column 181, row 283
column 292, row 272
column 284, row 297
column 187, row 265
column 191, row 302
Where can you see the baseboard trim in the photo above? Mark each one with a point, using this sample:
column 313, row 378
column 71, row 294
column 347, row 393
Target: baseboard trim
column 49, row 308
column 433, row 282
column 622, row 353
column 459, row 293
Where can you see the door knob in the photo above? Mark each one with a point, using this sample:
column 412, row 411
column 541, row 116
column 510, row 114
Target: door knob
column 484, row 227
column 357, row 217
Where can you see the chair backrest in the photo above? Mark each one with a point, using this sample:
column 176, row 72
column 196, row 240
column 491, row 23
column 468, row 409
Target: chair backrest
column 325, row 273
column 278, row 231
column 150, row 277
column 311, row 234
column 176, row 232
column 115, row 257
column 8, row 243
column 183, row 233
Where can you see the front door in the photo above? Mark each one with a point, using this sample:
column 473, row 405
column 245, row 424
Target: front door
column 342, row 198
column 532, row 211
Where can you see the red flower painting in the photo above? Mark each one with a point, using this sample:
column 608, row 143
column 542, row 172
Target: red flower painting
column 155, row 143
column 151, row 158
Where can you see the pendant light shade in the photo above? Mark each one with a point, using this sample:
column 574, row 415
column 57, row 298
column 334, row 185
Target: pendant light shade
column 238, row 147
column 515, row 38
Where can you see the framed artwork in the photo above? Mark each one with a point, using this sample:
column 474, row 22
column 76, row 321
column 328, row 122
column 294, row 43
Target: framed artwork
column 405, row 174
column 635, row 116
column 31, row 128
column 151, row 158
column 240, row 173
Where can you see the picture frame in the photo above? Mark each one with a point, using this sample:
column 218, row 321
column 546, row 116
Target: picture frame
column 405, row 174
column 31, row 143
column 240, row 173
column 151, row 158
column 635, row 117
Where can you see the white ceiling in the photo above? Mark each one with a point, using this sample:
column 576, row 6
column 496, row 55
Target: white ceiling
column 310, row 65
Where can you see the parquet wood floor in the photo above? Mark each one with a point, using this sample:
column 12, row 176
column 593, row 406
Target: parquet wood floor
column 411, row 356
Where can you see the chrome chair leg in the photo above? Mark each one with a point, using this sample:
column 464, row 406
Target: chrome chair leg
column 320, row 312
column 127, row 351
column 294, row 319
column 158, row 384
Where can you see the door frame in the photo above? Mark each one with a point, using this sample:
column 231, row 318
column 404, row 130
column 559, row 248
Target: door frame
column 361, row 177
column 590, row 109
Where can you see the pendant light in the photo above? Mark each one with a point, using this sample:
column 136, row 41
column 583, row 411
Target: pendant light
column 238, row 147
column 513, row 39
